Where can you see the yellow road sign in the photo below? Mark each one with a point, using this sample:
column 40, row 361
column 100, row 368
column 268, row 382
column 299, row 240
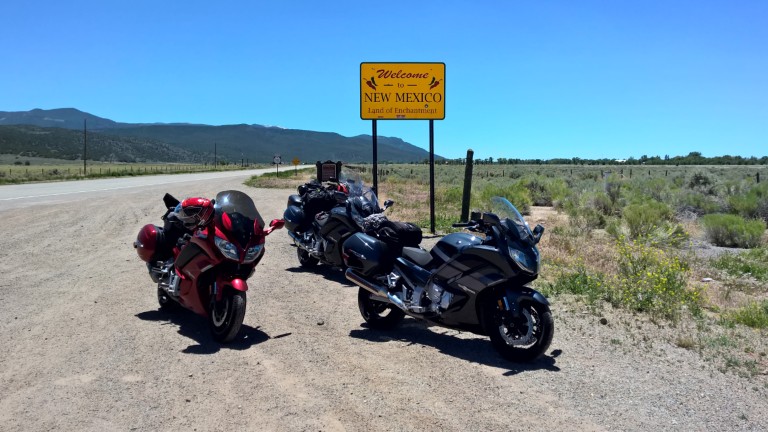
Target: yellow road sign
column 402, row 91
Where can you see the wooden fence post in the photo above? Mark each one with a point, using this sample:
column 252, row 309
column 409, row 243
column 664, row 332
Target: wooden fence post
column 467, row 195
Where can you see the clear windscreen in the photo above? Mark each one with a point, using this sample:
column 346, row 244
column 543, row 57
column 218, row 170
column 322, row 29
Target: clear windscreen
column 511, row 220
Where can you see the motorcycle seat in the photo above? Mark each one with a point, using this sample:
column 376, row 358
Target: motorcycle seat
column 417, row 255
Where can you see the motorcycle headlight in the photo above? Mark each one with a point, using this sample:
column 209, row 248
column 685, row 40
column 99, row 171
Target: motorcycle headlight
column 523, row 260
column 253, row 252
column 228, row 249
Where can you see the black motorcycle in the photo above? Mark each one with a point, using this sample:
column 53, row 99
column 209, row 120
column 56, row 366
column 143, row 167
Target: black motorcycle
column 468, row 282
column 322, row 217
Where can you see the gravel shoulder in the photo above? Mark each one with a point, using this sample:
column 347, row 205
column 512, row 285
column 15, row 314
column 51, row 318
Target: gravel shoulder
column 84, row 348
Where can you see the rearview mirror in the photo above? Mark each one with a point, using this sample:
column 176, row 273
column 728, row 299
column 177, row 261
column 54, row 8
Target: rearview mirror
column 277, row 223
column 388, row 203
column 273, row 225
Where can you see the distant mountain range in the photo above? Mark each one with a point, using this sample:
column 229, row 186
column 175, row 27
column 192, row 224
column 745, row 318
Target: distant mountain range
column 58, row 133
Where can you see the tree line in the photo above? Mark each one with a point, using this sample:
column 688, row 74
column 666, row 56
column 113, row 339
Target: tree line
column 693, row 158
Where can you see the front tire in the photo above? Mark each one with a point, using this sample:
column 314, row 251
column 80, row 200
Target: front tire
column 226, row 316
column 167, row 304
column 305, row 259
column 521, row 339
column 379, row 315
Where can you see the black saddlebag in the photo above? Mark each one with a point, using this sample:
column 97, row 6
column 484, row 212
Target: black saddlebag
column 399, row 234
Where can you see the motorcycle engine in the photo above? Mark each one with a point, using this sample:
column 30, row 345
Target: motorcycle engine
column 439, row 298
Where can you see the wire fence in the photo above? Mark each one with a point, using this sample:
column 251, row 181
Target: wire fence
column 22, row 174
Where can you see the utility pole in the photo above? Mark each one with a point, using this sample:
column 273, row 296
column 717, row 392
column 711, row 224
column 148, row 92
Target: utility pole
column 215, row 162
column 85, row 146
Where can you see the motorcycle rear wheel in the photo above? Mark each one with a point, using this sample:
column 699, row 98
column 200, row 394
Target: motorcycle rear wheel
column 226, row 316
column 378, row 314
column 524, row 339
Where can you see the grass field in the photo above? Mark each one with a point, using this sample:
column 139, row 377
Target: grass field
column 14, row 169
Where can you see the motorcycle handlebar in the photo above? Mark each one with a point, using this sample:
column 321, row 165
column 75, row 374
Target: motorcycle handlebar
column 470, row 225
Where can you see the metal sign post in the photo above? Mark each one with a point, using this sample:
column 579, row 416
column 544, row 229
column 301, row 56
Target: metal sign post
column 404, row 91
column 277, row 160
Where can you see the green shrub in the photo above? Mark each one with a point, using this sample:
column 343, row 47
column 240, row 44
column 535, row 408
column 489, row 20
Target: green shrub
column 701, row 182
column 579, row 281
column 754, row 315
column 642, row 219
column 516, row 193
column 732, row 230
column 612, row 188
column 753, row 262
column 698, row 204
column 752, row 204
column 653, row 281
column 585, row 219
column 603, row 204
column 545, row 191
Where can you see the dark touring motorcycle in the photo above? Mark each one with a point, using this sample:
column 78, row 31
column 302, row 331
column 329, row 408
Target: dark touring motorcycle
column 322, row 218
column 466, row 282
column 204, row 266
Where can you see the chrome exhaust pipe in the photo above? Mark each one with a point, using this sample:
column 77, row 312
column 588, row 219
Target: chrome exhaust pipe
column 373, row 288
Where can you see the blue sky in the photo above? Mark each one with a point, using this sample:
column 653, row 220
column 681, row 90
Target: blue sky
column 524, row 79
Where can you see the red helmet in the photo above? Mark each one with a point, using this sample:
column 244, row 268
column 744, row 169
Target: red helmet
column 196, row 212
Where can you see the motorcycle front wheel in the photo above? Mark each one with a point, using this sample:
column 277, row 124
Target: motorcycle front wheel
column 378, row 314
column 226, row 316
column 521, row 339
column 167, row 304
column 305, row 259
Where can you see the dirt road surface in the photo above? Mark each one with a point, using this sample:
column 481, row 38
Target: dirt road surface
column 83, row 347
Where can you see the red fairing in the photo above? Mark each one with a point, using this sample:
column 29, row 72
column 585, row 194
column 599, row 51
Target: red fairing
column 146, row 242
column 225, row 219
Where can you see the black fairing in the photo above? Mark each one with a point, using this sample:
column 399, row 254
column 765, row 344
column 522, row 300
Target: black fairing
column 336, row 230
column 466, row 267
column 186, row 255
column 452, row 244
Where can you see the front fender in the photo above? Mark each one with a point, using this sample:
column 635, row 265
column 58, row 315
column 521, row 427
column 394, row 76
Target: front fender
column 236, row 284
column 515, row 296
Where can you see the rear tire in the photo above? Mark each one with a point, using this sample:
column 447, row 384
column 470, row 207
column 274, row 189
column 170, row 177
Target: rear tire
column 523, row 339
column 379, row 315
column 226, row 316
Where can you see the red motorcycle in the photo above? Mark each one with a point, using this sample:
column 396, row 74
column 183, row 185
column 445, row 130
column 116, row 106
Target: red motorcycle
column 203, row 255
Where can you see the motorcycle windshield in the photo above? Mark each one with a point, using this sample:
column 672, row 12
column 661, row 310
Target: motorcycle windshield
column 240, row 214
column 511, row 220
column 357, row 188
